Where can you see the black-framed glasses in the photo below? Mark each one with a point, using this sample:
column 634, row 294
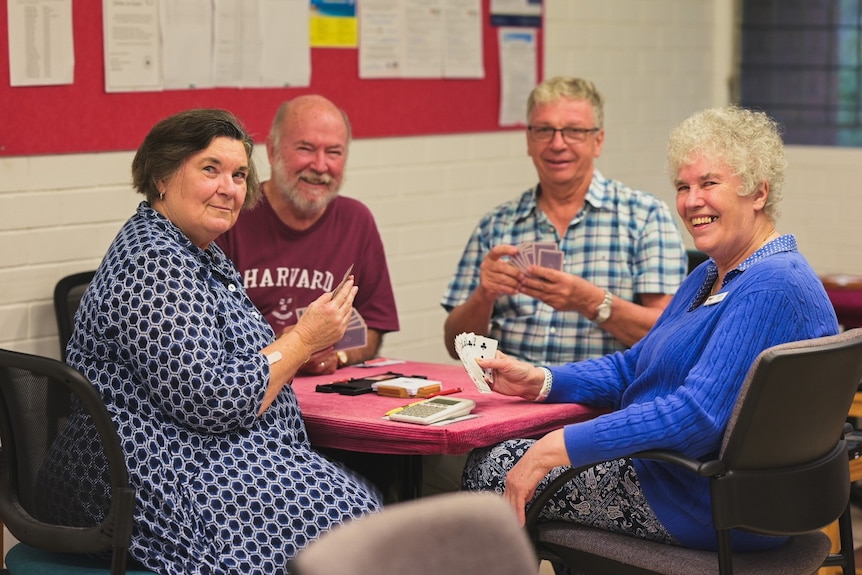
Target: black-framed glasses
column 570, row 135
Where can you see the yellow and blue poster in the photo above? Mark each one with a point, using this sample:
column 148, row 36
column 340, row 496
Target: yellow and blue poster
column 332, row 24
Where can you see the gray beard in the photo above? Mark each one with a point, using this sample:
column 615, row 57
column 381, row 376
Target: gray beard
column 289, row 189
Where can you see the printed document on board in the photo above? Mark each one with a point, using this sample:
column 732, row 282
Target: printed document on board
column 133, row 54
column 41, row 48
column 517, row 72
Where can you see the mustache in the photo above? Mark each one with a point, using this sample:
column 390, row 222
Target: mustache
column 313, row 177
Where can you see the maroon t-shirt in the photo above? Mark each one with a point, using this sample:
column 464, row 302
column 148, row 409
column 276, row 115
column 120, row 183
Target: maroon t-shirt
column 284, row 269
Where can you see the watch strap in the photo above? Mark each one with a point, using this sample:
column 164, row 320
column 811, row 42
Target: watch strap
column 603, row 312
column 546, row 385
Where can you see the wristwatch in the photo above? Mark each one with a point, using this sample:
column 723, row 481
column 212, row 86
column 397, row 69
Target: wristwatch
column 342, row 358
column 603, row 312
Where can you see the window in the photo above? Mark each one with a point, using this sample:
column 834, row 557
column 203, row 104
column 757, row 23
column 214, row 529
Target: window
column 801, row 62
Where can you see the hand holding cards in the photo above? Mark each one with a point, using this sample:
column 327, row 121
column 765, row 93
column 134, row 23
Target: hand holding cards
column 544, row 254
column 356, row 334
column 469, row 347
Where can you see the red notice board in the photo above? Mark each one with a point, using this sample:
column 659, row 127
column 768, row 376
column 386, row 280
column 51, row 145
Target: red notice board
column 82, row 117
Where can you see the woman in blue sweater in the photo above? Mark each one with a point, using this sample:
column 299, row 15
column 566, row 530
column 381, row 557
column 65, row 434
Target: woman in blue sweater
column 675, row 388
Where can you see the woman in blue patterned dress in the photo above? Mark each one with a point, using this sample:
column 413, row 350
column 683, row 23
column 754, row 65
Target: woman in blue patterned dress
column 195, row 381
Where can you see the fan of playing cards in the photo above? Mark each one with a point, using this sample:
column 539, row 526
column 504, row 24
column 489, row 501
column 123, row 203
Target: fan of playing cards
column 356, row 334
column 469, row 347
column 544, row 254
column 357, row 331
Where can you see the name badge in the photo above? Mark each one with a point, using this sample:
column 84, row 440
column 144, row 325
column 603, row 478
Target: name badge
column 714, row 299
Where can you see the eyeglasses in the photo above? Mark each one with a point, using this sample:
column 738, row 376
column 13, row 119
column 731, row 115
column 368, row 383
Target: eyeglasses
column 570, row 135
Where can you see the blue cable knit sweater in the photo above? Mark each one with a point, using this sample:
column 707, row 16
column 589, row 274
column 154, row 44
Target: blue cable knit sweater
column 675, row 389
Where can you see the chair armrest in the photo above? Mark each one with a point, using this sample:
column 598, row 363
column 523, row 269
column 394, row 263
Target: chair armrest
column 702, row 468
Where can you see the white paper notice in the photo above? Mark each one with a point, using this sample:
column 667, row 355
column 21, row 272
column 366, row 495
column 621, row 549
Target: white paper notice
column 517, row 7
column 237, row 43
column 187, row 37
column 380, row 40
column 41, row 48
column 463, row 44
column 517, row 73
column 262, row 43
column 285, row 58
column 422, row 40
column 132, row 46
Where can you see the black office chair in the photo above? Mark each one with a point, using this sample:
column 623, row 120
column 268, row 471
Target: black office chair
column 36, row 395
column 452, row 533
column 67, row 298
column 782, row 470
column 695, row 258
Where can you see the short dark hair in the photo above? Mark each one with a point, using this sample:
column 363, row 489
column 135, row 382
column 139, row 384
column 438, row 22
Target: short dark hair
column 176, row 138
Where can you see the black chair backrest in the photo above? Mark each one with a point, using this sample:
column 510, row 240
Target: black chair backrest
column 36, row 394
column 67, row 298
column 795, row 410
column 695, row 258
column 784, row 442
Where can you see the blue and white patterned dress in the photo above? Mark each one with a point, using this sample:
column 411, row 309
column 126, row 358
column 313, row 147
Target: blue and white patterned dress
column 172, row 342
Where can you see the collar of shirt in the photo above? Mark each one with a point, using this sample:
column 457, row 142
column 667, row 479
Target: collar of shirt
column 212, row 259
column 785, row 243
column 596, row 196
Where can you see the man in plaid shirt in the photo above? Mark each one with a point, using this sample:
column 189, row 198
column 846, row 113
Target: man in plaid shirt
column 623, row 254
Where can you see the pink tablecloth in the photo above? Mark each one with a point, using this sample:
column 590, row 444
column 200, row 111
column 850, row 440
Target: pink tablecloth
column 848, row 306
column 845, row 292
column 356, row 423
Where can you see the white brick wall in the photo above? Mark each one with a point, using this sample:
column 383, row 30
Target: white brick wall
column 426, row 195
column 656, row 61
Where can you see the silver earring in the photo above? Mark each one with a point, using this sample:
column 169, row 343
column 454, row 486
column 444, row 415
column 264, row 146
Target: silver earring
column 161, row 195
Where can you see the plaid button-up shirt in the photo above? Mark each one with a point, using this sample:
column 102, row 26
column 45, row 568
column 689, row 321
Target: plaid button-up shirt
column 622, row 240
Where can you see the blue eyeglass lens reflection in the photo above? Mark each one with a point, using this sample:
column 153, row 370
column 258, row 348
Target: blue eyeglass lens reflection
column 547, row 133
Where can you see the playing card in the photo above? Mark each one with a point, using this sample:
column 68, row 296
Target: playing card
column 519, row 260
column 356, row 334
column 486, row 348
column 344, row 279
column 548, row 256
column 527, row 252
column 551, row 259
column 544, row 246
column 469, row 347
column 355, row 319
column 544, row 254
